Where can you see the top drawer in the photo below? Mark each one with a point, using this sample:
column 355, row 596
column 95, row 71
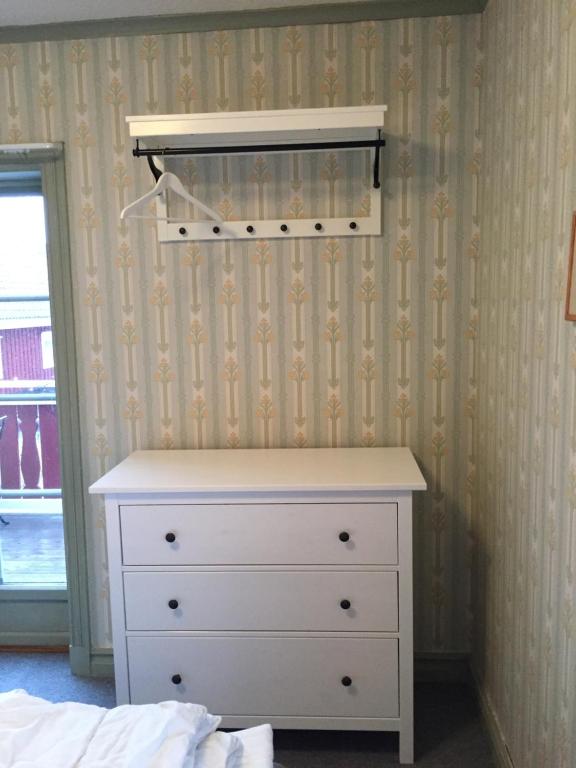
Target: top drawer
column 259, row 534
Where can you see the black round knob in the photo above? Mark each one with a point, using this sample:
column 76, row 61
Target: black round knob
column 173, row 604
column 353, row 225
column 170, row 537
column 346, row 681
column 176, row 679
column 216, row 230
column 318, row 226
column 250, row 228
column 344, row 604
column 182, row 230
column 284, row 227
column 344, row 536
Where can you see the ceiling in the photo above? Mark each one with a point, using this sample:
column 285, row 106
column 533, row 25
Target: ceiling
column 30, row 12
column 33, row 20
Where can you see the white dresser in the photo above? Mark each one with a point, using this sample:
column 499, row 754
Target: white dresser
column 269, row 585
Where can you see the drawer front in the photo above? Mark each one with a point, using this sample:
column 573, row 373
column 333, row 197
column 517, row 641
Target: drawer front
column 268, row 676
column 247, row 600
column 260, row 534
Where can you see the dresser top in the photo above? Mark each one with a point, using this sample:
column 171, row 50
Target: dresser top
column 270, row 469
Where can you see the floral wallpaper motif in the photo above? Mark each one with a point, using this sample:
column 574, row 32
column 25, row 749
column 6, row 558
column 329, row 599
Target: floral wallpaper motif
column 365, row 341
column 525, row 506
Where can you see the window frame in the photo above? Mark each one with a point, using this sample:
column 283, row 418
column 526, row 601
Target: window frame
column 49, row 160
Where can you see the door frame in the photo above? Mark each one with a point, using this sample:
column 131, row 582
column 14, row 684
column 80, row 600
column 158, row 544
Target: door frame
column 49, row 159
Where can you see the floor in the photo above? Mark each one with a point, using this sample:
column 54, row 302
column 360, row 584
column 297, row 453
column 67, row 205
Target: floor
column 449, row 731
column 48, row 675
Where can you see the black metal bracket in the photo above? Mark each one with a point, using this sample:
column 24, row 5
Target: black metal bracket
column 375, row 144
column 379, row 143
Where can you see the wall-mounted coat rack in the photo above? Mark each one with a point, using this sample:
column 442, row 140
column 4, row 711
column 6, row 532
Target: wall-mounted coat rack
column 269, row 131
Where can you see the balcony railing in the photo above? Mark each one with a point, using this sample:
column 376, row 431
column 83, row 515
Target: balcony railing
column 29, row 450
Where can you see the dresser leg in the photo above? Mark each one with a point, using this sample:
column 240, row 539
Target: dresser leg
column 406, row 747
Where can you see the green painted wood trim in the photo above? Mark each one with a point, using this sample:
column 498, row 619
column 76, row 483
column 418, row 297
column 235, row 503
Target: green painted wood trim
column 36, row 594
column 37, row 616
column 102, row 663
column 21, row 153
column 330, row 13
column 502, row 756
column 79, row 658
column 66, row 368
column 50, row 160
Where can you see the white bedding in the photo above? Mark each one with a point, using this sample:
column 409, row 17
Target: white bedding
column 35, row 733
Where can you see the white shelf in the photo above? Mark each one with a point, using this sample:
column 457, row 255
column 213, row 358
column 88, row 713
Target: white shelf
column 221, row 129
column 266, row 131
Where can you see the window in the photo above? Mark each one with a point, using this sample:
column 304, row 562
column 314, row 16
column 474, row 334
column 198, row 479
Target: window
column 31, row 529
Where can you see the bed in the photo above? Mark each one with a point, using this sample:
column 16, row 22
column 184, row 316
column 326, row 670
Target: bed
column 35, row 733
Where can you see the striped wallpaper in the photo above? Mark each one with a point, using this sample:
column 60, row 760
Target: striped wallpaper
column 525, row 514
column 296, row 343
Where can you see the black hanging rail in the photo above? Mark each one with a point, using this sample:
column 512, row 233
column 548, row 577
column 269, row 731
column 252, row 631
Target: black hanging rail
column 375, row 144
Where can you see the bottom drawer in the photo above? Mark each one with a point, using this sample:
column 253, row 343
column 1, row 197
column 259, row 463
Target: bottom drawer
column 331, row 677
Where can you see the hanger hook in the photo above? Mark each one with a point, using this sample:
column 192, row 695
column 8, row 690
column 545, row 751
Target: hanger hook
column 156, row 172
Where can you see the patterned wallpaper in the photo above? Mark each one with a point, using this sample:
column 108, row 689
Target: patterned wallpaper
column 366, row 341
column 525, row 521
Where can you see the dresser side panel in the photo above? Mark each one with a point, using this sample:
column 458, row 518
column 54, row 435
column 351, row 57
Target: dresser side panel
column 116, row 587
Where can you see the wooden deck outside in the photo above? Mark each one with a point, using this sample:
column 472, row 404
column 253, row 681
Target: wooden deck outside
column 32, row 546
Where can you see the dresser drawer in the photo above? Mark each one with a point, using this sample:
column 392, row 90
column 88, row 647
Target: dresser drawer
column 247, row 600
column 259, row 534
column 268, row 676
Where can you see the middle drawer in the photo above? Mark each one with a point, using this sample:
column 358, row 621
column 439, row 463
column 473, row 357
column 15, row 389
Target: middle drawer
column 262, row 600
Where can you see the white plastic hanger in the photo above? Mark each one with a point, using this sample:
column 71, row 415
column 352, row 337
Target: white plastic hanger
column 166, row 181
